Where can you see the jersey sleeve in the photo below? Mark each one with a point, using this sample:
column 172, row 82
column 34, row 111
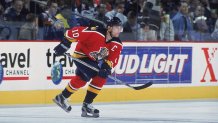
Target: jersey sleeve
column 75, row 34
column 115, row 49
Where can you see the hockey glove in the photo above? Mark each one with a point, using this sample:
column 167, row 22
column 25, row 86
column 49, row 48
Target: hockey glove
column 105, row 70
column 62, row 48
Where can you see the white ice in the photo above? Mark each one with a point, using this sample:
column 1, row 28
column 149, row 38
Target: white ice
column 197, row 111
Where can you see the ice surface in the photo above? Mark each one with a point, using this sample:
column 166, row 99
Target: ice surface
column 200, row 111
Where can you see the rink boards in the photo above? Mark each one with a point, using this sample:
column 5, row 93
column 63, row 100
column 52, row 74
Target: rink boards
column 179, row 70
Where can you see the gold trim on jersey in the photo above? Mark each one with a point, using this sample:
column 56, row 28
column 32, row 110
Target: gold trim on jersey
column 69, row 38
column 86, row 30
column 77, row 54
column 110, row 63
column 93, row 28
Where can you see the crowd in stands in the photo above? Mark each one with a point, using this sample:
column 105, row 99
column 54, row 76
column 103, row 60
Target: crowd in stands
column 143, row 20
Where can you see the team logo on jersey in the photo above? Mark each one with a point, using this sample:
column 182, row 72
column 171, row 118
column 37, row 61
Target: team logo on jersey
column 101, row 54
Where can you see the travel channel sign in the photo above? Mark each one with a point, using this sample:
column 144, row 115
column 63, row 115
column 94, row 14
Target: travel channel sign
column 162, row 65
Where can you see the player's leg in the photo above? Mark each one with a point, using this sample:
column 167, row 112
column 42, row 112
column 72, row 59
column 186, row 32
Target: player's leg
column 83, row 75
column 61, row 99
column 93, row 90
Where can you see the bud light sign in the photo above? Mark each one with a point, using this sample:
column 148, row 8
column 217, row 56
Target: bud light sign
column 162, row 65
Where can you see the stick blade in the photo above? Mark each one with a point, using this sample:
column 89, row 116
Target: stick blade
column 146, row 85
column 57, row 73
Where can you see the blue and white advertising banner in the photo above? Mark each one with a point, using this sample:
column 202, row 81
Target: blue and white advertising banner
column 27, row 65
column 162, row 65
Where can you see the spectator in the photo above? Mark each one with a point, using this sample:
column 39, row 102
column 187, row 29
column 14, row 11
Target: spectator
column 132, row 5
column 100, row 15
column 64, row 16
column 206, row 6
column 101, row 11
column 87, row 11
column 34, row 6
column 200, row 29
column 96, row 3
column 193, row 4
column 6, row 3
column 66, row 13
column 214, row 35
column 108, row 5
column 5, row 31
column 1, row 12
column 152, row 15
column 212, row 20
column 131, row 27
column 182, row 23
column 166, row 27
column 199, row 11
column 141, row 4
column 29, row 30
column 147, row 34
column 117, row 12
column 16, row 12
column 170, row 6
column 53, row 29
column 207, row 13
column 26, row 4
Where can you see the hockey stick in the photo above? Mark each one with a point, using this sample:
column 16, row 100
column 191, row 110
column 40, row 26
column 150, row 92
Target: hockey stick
column 92, row 19
column 148, row 84
column 1, row 72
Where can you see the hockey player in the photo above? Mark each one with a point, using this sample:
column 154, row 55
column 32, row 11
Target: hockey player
column 94, row 46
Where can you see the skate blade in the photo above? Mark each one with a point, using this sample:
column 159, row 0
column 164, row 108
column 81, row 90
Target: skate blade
column 61, row 106
column 84, row 114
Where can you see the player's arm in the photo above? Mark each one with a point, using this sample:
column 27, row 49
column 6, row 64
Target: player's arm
column 114, row 54
column 105, row 70
column 111, row 61
column 69, row 37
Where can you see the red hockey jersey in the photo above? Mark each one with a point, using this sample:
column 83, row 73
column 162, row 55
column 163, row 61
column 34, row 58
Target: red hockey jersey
column 93, row 44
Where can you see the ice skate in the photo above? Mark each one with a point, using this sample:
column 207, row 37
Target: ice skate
column 89, row 111
column 62, row 102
